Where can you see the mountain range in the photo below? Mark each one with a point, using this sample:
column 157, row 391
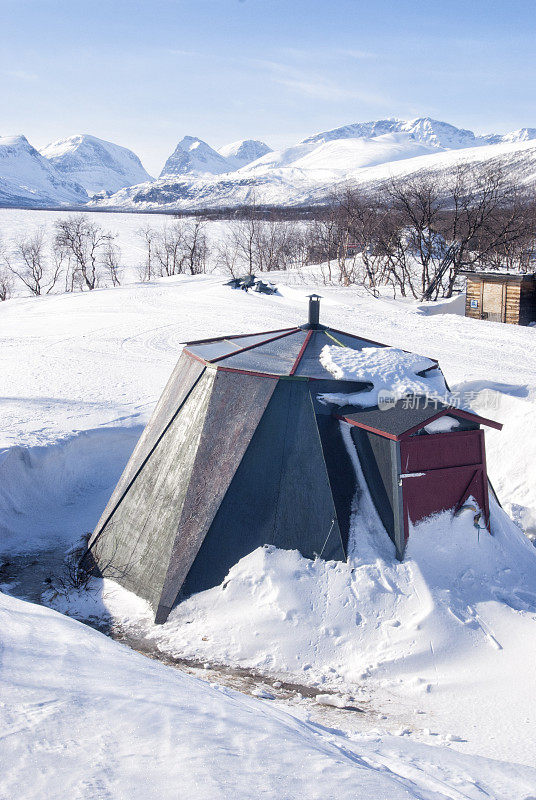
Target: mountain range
column 84, row 170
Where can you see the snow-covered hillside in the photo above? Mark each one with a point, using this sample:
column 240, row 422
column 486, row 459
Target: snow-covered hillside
column 85, row 718
column 363, row 154
column 429, row 131
column 311, row 172
column 95, row 164
column 27, row 178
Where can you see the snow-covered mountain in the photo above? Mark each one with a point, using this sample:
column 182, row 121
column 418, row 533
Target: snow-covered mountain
column 95, row 164
column 311, row 171
column 196, row 176
column 423, row 129
column 194, row 157
column 243, row 152
column 341, row 154
column 521, row 135
column 27, row 178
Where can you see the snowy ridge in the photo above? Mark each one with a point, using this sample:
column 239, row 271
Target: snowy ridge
column 194, row 157
column 95, row 164
column 243, row 152
column 196, row 176
column 423, row 129
column 311, row 172
column 27, row 178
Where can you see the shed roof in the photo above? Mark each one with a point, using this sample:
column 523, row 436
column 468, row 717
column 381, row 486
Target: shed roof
column 498, row 275
column 402, row 419
column 285, row 352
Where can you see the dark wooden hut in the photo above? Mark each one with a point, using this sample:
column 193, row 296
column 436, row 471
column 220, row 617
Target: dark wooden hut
column 242, row 450
column 501, row 296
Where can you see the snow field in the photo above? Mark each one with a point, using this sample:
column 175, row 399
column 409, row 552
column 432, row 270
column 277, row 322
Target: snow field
column 449, row 633
column 85, row 718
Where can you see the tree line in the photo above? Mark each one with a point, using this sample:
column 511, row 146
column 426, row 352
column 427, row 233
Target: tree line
column 417, row 234
column 414, row 235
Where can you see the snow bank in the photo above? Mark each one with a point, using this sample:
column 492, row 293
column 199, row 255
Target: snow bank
column 53, row 495
column 445, row 629
column 85, row 718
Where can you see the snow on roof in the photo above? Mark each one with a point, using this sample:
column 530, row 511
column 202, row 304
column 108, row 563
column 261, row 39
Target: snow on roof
column 387, row 369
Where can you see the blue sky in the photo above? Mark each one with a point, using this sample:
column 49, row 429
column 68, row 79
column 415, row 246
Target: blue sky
column 144, row 74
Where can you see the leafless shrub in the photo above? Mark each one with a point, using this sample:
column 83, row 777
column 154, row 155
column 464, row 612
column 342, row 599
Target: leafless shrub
column 146, row 270
column 419, row 233
column 6, row 277
column 111, row 258
column 31, row 263
column 88, row 251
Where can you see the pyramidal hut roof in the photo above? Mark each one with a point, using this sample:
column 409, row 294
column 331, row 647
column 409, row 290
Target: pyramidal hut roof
column 280, row 353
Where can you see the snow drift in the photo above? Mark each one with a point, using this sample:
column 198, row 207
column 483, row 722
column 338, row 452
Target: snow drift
column 84, row 717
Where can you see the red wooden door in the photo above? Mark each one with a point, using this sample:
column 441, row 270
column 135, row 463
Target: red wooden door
column 440, row 471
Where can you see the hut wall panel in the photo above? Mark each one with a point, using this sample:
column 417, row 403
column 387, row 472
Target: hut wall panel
column 186, row 373
column 513, row 296
column 527, row 302
column 134, row 547
column 341, row 472
column 441, row 450
column 280, row 493
column 375, row 457
column 235, row 408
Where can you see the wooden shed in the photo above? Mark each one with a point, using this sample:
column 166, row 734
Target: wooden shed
column 419, row 461
column 501, row 296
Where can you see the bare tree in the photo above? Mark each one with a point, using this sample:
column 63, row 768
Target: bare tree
column 149, row 236
column 111, row 258
column 168, row 250
column 227, row 256
column 6, row 283
column 30, row 263
column 194, row 246
column 417, row 234
column 246, row 239
column 84, row 245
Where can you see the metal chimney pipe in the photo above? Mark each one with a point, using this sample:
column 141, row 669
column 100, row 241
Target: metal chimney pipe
column 314, row 310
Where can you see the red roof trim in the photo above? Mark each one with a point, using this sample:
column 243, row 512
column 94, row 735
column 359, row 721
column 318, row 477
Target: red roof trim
column 302, row 351
column 367, row 427
column 451, row 411
column 193, row 355
column 477, row 418
column 251, row 346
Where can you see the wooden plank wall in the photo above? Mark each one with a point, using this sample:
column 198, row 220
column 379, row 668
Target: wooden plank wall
column 513, row 298
column 519, row 301
column 474, row 292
